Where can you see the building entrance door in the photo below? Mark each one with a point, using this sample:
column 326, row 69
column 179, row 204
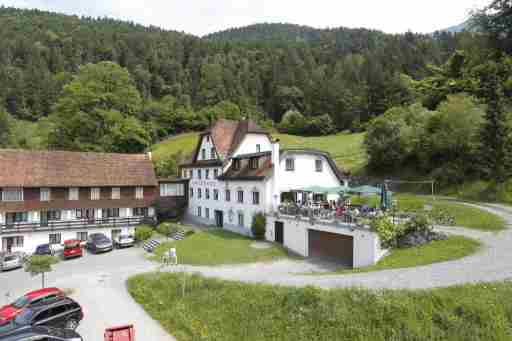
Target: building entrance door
column 279, row 232
column 219, row 218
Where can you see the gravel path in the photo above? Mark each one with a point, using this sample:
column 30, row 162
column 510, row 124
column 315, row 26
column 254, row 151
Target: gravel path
column 493, row 262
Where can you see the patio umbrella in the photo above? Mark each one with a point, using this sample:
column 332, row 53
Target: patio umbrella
column 366, row 190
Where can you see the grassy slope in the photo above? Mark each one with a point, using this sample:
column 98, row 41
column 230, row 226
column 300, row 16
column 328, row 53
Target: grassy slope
column 231, row 311
column 454, row 247
column 219, row 247
column 346, row 149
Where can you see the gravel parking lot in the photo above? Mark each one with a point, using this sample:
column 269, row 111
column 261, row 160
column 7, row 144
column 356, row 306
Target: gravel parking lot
column 97, row 282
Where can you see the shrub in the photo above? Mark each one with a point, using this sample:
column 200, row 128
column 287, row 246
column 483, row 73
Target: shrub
column 143, row 232
column 167, row 229
column 418, row 223
column 387, row 231
column 259, row 226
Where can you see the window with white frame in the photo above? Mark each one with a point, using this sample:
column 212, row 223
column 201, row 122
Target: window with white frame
column 116, row 193
column 212, row 153
column 110, row 213
column 172, row 190
column 319, row 165
column 13, row 242
column 198, row 211
column 290, row 164
column 199, row 176
column 254, row 163
column 139, row 192
column 54, row 215
column 228, row 195
column 207, row 193
column 236, row 164
column 191, row 190
column 199, row 193
column 207, row 213
column 207, row 174
column 215, row 173
column 215, row 194
column 203, row 154
column 82, row 236
column 73, row 193
column 240, row 196
column 12, row 194
column 256, row 198
column 258, row 148
column 95, row 193
column 44, row 194
column 140, row 211
column 240, row 219
column 55, row 238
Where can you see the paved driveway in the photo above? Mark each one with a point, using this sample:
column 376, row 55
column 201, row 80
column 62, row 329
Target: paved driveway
column 98, row 284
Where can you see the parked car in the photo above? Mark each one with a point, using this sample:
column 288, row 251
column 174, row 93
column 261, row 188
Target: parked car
column 98, row 242
column 44, row 250
column 61, row 312
column 72, row 249
column 11, row 261
column 42, row 333
column 124, row 240
column 10, row 311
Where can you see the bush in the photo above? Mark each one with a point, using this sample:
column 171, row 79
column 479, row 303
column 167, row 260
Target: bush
column 259, row 226
column 167, row 229
column 143, row 232
column 418, row 223
column 387, row 231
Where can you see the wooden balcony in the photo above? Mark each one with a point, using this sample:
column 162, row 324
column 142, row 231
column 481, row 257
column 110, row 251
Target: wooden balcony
column 83, row 224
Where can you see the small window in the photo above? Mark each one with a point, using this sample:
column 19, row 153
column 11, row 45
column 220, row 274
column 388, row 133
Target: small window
column 199, row 175
column 73, row 193
column 207, row 174
column 290, row 164
column 240, row 196
column 236, row 164
column 199, row 211
column 215, row 173
column 207, row 213
column 207, row 193
column 203, row 154
column 254, row 163
column 45, row 194
column 54, row 215
column 191, row 192
column 212, row 153
column 215, row 194
column 256, row 198
column 228, row 195
column 95, row 193
column 55, row 238
column 139, row 192
column 140, row 211
column 12, row 194
column 116, row 193
column 240, row 219
column 258, row 148
column 199, row 193
column 82, row 236
column 78, row 213
column 110, row 213
column 318, row 165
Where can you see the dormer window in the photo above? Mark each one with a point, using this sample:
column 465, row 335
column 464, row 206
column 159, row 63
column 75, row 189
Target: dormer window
column 258, row 148
column 212, row 153
column 236, row 164
column 318, row 165
column 208, row 138
column 203, row 154
column 254, row 163
column 290, row 164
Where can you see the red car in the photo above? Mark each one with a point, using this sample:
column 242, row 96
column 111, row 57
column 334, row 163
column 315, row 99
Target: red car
column 9, row 312
column 72, row 249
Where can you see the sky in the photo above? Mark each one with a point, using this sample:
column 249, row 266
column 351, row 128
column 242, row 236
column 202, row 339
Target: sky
column 200, row 17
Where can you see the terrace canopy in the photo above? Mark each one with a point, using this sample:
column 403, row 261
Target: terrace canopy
column 365, row 190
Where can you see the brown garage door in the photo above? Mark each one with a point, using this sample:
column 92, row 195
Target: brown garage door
column 331, row 246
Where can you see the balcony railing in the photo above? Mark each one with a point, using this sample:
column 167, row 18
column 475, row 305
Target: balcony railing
column 74, row 224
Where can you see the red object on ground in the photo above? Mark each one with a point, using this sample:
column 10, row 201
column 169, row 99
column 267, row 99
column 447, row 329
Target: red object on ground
column 9, row 312
column 121, row 333
column 72, row 248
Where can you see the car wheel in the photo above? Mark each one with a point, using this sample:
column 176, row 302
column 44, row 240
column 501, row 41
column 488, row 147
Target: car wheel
column 71, row 324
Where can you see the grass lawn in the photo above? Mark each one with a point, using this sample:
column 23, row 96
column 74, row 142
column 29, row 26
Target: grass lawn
column 466, row 216
column 230, row 311
column 454, row 247
column 346, row 149
column 215, row 247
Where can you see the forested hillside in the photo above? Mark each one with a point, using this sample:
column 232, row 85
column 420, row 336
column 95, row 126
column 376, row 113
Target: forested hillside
column 352, row 75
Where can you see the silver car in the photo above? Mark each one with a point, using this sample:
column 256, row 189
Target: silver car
column 124, row 240
column 11, row 261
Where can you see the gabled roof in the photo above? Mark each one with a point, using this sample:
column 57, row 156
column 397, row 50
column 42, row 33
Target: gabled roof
column 227, row 136
column 23, row 168
column 246, row 173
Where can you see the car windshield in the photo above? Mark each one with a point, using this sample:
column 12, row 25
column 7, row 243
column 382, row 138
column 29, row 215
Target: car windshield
column 124, row 237
column 21, row 302
column 71, row 245
column 100, row 239
column 43, row 247
column 9, row 258
column 24, row 317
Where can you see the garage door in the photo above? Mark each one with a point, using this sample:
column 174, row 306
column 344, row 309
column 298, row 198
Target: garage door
column 331, row 247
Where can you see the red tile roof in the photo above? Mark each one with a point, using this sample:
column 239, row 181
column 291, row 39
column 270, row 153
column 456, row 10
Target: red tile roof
column 22, row 168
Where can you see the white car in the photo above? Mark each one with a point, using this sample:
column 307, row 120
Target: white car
column 124, row 240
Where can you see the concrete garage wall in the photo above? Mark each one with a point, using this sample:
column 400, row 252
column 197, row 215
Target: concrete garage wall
column 366, row 251
column 32, row 239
